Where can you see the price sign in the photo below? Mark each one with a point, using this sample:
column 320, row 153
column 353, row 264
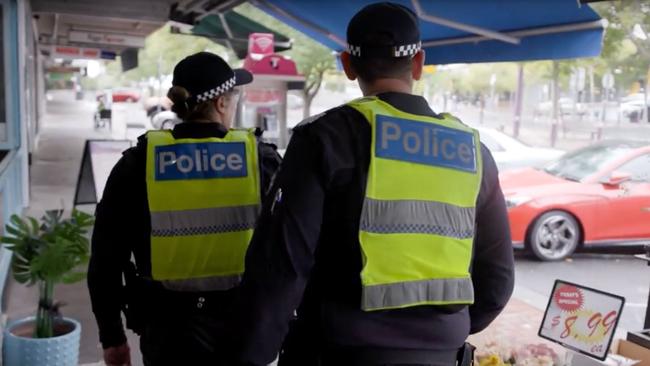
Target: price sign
column 581, row 318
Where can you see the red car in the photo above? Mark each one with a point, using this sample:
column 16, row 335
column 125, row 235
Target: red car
column 123, row 95
column 595, row 196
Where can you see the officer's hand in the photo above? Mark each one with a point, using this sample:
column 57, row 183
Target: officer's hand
column 118, row 356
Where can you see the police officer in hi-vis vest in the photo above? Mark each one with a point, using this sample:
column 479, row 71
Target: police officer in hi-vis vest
column 184, row 203
column 386, row 228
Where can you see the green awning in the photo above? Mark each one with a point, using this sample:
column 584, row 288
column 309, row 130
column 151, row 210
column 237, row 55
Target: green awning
column 231, row 29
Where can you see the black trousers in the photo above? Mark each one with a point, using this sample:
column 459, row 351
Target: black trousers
column 304, row 347
column 182, row 339
column 381, row 357
column 366, row 357
column 381, row 364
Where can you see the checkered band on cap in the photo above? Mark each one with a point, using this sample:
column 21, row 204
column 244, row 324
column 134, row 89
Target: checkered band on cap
column 354, row 50
column 396, row 51
column 408, row 49
column 213, row 93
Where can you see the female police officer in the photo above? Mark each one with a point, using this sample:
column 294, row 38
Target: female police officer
column 184, row 203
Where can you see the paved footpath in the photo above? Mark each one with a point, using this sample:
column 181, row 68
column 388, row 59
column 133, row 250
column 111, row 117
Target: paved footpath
column 54, row 171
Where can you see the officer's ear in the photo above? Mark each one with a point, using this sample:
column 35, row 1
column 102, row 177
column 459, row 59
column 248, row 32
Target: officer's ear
column 418, row 65
column 347, row 66
column 221, row 104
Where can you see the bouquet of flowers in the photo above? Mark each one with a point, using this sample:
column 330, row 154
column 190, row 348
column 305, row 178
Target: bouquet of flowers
column 494, row 354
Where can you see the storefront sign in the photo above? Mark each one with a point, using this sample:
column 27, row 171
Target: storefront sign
column 78, row 53
column 581, row 319
column 271, row 65
column 261, row 44
column 107, row 38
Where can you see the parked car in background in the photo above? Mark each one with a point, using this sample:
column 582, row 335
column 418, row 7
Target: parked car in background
column 155, row 105
column 122, row 95
column 510, row 153
column 595, row 196
column 633, row 107
column 165, row 120
column 567, row 106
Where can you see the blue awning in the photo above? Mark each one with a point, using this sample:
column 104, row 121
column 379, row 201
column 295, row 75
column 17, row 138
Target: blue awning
column 464, row 31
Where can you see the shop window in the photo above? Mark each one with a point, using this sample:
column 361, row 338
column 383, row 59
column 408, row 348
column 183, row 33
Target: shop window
column 638, row 168
column 3, row 87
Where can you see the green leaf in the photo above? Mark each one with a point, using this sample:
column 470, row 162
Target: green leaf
column 20, row 224
column 9, row 240
column 51, row 250
column 35, row 225
column 13, row 230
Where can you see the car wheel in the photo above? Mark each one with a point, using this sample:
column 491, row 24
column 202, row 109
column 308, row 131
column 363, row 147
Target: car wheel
column 555, row 235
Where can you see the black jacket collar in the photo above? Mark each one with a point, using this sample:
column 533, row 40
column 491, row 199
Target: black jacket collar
column 409, row 103
column 199, row 130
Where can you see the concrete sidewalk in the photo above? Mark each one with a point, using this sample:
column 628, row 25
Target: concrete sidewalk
column 53, row 178
column 53, row 174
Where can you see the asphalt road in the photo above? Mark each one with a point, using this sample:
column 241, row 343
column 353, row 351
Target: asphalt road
column 619, row 274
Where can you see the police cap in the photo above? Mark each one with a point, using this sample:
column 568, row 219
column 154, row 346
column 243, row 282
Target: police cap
column 206, row 76
column 384, row 30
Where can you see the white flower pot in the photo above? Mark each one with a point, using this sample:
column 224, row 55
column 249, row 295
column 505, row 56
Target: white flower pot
column 20, row 349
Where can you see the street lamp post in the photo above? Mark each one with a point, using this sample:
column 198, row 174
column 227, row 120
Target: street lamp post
column 519, row 101
column 555, row 90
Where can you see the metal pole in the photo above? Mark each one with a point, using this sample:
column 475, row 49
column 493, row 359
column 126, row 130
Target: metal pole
column 645, row 98
column 555, row 96
column 521, row 33
column 482, row 109
column 519, row 101
column 160, row 89
column 462, row 26
column 592, row 111
column 604, row 100
column 618, row 117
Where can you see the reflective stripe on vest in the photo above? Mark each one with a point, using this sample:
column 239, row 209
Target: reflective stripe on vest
column 418, row 219
column 204, row 199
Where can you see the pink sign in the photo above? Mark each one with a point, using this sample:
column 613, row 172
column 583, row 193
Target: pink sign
column 271, row 65
column 261, row 44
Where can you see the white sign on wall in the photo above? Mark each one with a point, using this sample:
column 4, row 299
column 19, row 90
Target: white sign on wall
column 582, row 319
column 106, row 38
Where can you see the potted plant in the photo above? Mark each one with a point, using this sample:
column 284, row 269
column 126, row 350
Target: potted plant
column 46, row 253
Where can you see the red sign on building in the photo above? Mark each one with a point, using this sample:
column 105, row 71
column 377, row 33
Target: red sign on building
column 261, row 44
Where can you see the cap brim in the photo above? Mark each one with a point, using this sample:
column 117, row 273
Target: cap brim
column 243, row 77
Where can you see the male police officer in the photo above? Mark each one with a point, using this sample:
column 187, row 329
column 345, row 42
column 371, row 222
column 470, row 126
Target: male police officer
column 387, row 216
column 184, row 202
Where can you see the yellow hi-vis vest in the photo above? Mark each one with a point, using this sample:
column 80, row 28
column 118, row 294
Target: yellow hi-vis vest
column 204, row 199
column 417, row 223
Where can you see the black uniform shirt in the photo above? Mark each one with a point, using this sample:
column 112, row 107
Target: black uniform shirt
column 307, row 242
column 123, row 226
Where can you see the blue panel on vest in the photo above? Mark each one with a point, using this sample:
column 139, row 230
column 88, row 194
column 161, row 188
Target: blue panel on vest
column 201, row 161
column 425, row 143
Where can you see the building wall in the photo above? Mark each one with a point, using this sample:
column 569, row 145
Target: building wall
column 19, row 71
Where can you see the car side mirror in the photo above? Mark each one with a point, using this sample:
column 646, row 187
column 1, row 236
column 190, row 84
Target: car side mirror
column 616, row 179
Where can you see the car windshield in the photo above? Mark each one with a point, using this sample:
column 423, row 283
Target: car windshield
column 582, row 163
